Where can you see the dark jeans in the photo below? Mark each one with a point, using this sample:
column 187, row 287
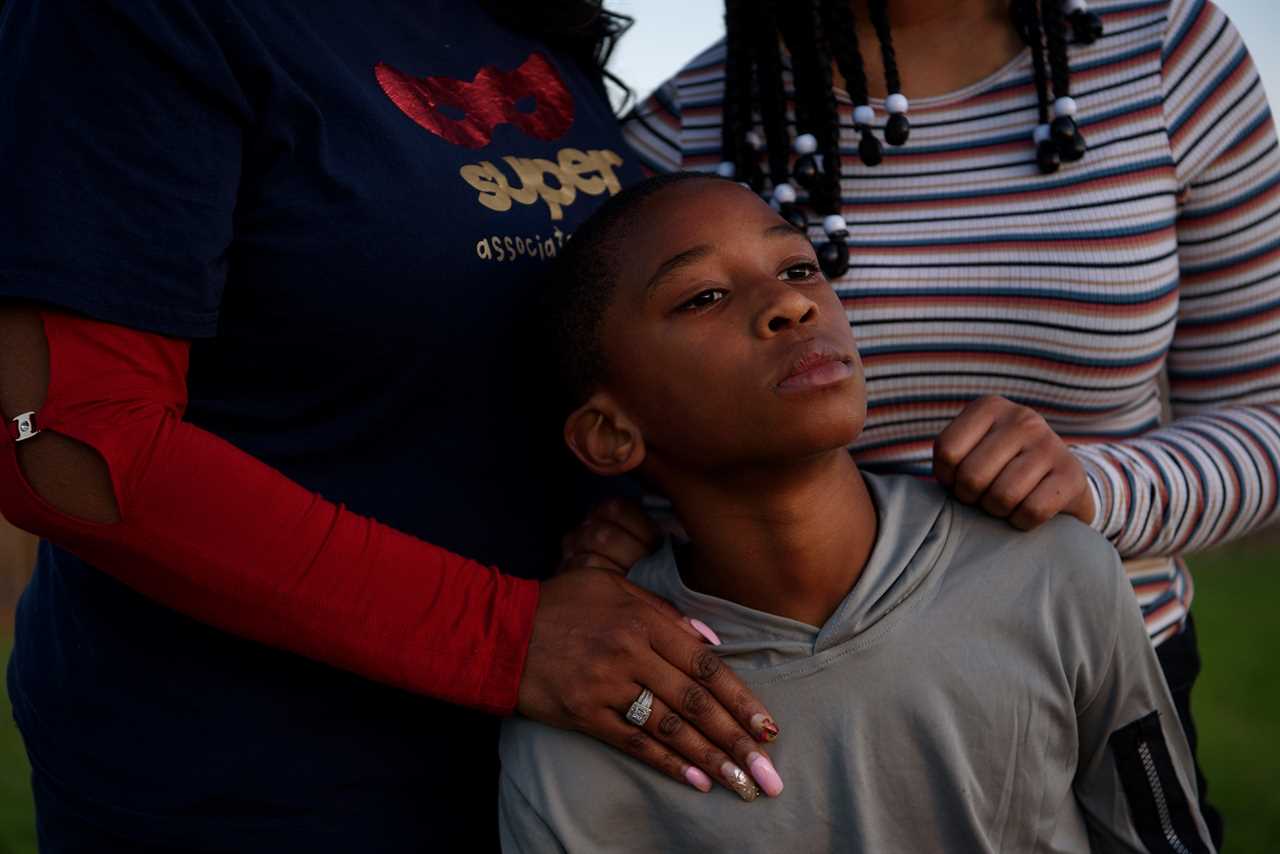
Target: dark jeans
column 1180, row 660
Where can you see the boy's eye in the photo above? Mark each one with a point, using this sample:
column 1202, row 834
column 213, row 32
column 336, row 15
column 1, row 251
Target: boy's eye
column 800, row 272
column 704, row 299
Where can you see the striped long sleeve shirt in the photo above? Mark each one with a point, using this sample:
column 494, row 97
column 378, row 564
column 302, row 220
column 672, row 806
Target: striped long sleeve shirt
column 1072, row 293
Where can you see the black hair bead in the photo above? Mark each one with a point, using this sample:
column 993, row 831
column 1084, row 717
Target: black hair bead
column 1047, row 157
column 897, row 128
column 1062, row 129
column 1086, row 27
column 805, row 171
column 1074, row 148
column 833, row 258
column 869, row 148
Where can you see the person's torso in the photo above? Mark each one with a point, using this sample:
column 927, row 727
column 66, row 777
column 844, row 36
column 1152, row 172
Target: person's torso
column 935, row 711
column 412, row 172
column 409, row 170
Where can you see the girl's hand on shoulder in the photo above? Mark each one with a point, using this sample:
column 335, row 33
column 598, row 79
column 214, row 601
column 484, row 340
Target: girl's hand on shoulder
column 599, row 641
column 1007, row 460
column 615, row 535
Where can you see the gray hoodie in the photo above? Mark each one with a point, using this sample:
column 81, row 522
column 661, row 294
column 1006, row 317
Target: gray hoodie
column 979, row 689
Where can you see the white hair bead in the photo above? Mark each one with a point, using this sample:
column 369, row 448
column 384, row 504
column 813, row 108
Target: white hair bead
column 1040, row 134
column 863, row 115
column 1064, row 107
column 754, row 140
column 726, row 169
column 784, row 193
column 834, row 224
column 805, row 143
column 896, row 103
column 1072, row 6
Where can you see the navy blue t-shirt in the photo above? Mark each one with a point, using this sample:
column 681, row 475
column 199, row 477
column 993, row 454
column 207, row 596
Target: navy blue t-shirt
column 346, row 206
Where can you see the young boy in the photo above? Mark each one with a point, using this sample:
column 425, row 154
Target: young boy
column 951, row 684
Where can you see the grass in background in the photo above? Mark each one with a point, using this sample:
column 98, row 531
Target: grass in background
column 1237, row 704
column 1236, row 701
column 17, row 828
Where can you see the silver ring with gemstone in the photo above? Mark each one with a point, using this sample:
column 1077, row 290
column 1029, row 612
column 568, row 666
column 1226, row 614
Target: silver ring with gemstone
column 640, row 710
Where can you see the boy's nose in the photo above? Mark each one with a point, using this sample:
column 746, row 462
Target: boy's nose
column 786, row 309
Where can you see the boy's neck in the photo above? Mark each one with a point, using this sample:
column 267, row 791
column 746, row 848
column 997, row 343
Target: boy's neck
column 788, row 540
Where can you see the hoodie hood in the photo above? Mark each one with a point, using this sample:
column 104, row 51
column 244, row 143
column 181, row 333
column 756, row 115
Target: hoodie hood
column 914, row 522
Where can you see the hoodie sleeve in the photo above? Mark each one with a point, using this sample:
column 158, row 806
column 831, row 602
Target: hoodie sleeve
column 1135, row 779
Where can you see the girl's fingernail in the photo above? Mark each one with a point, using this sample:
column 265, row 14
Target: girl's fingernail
column 739, row 782
column 766, row 775
column 705, row 630
column 697, row 779
column 764, row 728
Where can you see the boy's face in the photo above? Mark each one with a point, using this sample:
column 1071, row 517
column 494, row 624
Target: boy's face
column 726, row 344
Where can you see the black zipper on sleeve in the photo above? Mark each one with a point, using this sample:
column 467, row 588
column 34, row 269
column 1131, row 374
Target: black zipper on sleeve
column 1162, row 815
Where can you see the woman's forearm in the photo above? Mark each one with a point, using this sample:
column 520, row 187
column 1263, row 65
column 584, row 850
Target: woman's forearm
column 118, row 478
column 1213, row 473
column 1189, row 485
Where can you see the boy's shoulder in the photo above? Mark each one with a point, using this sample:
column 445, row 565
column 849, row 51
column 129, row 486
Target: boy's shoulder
column 901, row 493
column 1063, row 542
column 1054, row 597
column 1063, row 575
column 1062, row 557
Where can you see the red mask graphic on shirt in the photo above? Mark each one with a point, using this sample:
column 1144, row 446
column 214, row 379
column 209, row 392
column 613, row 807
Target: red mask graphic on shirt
column 486, row 101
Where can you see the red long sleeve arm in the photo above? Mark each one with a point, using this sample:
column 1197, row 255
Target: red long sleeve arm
column 211, row 532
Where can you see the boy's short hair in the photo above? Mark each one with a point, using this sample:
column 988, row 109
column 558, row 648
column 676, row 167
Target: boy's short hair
column 580, row 288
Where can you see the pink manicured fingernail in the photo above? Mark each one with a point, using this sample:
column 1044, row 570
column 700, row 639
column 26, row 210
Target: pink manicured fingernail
column 697, row 779
column 764, row 772
column 705, row 630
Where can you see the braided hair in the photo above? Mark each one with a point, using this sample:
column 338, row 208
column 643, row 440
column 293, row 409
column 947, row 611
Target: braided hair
column 818, row 34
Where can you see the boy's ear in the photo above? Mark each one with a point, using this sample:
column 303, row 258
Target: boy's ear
column 601, row 434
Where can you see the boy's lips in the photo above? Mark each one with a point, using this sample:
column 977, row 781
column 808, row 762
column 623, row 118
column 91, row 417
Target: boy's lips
column 815, row 369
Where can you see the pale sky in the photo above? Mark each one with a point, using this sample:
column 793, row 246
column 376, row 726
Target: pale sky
column 668, row 33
